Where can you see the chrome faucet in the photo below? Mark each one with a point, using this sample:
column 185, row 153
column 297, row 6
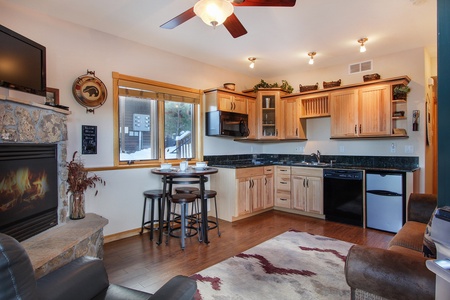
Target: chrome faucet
column 317, row 156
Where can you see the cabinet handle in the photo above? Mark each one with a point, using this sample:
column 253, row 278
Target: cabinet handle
column 296, row 131
column 283, row 199
column 283, row 182
column 307, row 183
column 359, row 128
column 276, row 132
column 304, row 184
column 356, row 129
column 234, row 105
column 265, row 181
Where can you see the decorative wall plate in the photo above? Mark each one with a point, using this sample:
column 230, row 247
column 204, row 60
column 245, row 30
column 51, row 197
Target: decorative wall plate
column 89, row 91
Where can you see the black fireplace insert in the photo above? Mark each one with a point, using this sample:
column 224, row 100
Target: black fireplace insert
column 28, row 189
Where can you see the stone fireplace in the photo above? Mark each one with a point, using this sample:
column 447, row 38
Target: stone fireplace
column 29, row 122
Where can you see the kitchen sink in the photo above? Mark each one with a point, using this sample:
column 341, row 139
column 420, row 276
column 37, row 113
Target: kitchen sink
column 314, row 164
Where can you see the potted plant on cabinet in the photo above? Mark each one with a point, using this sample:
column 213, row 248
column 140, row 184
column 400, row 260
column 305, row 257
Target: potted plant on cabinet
column 401, row 91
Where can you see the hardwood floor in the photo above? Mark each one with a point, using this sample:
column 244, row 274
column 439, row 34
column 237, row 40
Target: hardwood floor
column 139, row 263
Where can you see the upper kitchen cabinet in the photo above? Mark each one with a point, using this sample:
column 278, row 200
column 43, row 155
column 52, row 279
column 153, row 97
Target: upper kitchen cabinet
column 294, row 126
column 269, row 119
column 225, row 100
column 365, row 110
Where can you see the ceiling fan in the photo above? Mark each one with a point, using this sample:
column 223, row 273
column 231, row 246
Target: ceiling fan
column 225, row 14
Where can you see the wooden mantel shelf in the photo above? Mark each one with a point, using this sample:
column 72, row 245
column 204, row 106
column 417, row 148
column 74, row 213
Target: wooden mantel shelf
column 35, row 104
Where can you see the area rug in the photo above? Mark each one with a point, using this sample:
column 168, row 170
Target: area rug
column 293, row 265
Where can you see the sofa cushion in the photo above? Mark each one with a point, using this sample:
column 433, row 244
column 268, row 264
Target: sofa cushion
column 406, row 251
column 410, row 236
column 429, row 248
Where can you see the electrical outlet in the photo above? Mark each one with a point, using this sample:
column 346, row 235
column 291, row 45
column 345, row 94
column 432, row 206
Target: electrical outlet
column 393, row 148
column 409, row 149
column 251, row 149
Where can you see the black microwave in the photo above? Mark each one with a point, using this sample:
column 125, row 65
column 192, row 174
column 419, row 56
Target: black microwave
column 222, row 123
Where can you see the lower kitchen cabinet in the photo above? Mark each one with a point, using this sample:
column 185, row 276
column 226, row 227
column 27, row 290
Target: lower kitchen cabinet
column 283, row 186
column 243, row 192
column 307, row 189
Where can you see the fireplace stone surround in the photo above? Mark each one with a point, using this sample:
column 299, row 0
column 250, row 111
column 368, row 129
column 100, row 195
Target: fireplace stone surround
column 27, row 121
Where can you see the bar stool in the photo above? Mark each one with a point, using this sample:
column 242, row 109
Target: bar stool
column 209, row 194
column 183, row 200
column 153, row 195
column 185, row 190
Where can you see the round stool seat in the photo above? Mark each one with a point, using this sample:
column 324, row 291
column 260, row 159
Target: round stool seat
column 183, row 198
column 206, row 193
column 185, row 189
column 153, row 193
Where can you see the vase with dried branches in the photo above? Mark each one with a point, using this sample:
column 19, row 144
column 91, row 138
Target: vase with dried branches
column 78, row 181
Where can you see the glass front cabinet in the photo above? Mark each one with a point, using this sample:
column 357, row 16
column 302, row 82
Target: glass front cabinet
column 269, row 120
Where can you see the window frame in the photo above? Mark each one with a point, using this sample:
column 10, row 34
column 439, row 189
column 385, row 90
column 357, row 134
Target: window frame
column 175, row 90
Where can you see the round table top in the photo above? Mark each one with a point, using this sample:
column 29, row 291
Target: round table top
column 190, row 171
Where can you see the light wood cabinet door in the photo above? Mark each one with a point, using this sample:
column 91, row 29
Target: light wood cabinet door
column 270, row 116
column 299, row 192
column 314, row 197
column 344, row 113
column 243, row 206
column 294, row 128
column 240, row 104
column 268, row 190
column 252, row 125
column 374, row 114
column 257, row 193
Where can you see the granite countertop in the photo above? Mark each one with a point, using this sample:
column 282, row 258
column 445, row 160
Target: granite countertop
column 325, row 165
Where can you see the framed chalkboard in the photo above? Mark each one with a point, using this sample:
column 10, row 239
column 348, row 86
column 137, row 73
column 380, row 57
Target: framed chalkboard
column 88, row 139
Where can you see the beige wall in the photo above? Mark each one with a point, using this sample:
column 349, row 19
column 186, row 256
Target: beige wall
column 71, row 50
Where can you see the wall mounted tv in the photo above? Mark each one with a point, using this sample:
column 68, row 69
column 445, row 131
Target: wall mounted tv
column 22, row 63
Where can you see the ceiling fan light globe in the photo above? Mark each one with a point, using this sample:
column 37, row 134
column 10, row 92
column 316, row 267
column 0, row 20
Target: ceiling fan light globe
column 213, row 12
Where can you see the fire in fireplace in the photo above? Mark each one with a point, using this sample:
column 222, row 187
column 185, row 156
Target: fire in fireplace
column 28, row 189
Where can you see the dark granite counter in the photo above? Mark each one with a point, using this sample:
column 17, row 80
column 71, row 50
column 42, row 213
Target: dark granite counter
column 367, row 163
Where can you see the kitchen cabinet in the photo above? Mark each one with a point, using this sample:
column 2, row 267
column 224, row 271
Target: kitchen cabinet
column 268, row 189
column 294, row 127
column 307, row 189
column 225, row 100
column 359, row 112
column 242, row 193
column 283, row 186
column 252, row 121
column 269, row 114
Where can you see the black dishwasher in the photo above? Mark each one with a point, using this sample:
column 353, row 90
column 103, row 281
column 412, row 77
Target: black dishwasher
column 343, row 196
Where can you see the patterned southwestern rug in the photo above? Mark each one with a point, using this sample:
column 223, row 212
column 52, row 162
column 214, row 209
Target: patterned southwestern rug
column 293, row 265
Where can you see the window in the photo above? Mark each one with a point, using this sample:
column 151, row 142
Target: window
column 155, row 121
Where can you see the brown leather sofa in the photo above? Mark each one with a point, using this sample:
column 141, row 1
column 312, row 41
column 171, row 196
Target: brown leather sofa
column 82, row 279
column 398, row 272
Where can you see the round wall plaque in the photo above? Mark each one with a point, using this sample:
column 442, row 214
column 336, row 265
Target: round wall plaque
column 89, row 91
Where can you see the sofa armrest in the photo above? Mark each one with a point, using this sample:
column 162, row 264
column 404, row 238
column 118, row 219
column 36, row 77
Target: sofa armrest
column 82, row 278
column 389, row 274
column 421, row 207
column 177, row 288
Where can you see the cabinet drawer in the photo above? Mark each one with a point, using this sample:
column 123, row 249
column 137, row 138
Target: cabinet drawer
column 283, row 170
column 305, row 171
column 284, row 183
column 283, row 200
column 268, row 170
column 249, row 172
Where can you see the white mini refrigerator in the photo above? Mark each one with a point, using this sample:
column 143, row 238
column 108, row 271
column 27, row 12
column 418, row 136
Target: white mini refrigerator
column 385, row 201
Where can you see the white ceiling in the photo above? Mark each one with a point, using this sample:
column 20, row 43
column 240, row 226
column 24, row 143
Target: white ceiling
column 279, row 37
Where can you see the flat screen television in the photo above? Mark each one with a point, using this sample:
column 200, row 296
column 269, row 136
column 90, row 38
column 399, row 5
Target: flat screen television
column 22, row 63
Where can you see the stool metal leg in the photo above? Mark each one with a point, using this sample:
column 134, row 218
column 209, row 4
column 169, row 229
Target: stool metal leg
column 143, row 216
column 217, row 218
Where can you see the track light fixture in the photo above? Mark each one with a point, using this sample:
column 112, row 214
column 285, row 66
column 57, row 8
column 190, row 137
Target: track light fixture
column 252, row 62
column 362, row 41
column 311, row 57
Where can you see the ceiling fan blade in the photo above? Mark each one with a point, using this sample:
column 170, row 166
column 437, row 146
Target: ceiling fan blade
column 234, row 26
column 180, row 19
column 288, row 3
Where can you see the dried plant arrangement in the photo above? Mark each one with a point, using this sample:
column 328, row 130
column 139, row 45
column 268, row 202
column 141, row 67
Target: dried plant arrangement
column 77, row 177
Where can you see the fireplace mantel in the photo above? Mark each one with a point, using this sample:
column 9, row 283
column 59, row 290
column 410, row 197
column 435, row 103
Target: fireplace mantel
column 59, row 245
column 35, row 104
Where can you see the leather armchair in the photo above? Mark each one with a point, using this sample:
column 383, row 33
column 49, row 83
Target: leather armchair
column 83, row 278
